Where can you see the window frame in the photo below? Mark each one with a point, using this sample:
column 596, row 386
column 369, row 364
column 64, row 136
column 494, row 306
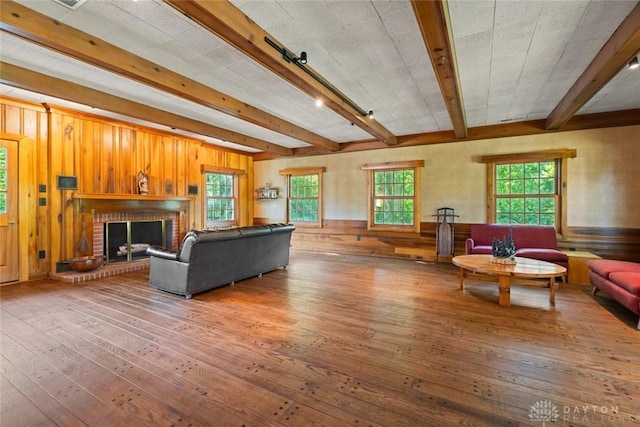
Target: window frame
column 413, row 165
column 560, row 157
column 289, row 173
column 235, row 173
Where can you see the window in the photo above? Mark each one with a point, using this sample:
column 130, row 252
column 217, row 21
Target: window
column 220, row 200
column 303, row 201
column 304, row 196
column 527, row 193
column 527, row 188
column 394, row 196
column 220, row 196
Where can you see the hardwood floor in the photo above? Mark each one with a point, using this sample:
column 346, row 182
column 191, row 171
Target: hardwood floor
column 332, row 340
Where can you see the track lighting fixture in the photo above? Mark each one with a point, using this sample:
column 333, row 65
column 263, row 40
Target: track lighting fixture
column 634, row 63
column 301, row 62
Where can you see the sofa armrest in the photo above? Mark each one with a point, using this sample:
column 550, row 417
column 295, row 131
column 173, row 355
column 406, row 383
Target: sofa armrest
column 160, row 252
column 468, row 245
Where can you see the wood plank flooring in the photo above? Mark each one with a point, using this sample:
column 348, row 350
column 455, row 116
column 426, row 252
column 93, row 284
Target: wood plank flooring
column 331, row 340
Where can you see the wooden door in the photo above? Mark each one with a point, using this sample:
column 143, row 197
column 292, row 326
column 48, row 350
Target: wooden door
column 9, row 271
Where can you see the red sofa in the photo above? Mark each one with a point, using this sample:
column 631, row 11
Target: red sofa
column 532, row 241
column 619, row 279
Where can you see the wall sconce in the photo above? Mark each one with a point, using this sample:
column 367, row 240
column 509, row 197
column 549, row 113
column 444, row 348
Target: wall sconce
column 634, row 63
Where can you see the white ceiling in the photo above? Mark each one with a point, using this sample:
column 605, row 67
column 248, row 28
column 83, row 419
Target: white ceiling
column 516, row 61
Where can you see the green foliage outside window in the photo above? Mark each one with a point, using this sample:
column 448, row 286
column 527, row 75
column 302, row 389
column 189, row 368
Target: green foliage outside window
column 526, row 193
column 219, row 195
column 303, row 198
column 394, row 197
column 3, row 180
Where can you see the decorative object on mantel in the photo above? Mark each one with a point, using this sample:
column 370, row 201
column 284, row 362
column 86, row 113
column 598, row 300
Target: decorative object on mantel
column 267, row 192
column 143, row 183
column 503, row 251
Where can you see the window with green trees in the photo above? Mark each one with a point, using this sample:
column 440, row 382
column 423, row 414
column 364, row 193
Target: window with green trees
column 220, row 199
column 394, row 195
column 304, row 192
column 527, row 193
column 304, row 195
column 394, row 200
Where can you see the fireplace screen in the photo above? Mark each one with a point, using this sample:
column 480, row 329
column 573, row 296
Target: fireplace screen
column 127, row 241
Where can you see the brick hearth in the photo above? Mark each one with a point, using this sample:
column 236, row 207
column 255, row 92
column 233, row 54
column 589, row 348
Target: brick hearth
column 104, row 271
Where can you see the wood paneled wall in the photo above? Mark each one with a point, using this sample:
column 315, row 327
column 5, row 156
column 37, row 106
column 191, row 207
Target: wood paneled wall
column 352, row 237
column 106, row 156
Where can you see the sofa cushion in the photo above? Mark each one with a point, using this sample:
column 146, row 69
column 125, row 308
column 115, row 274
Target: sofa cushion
column 627, row 280
column 624, row 297
column 549, row 255
column 534, row 236
column 524, row 236
column 604, row 267
column 483, row 234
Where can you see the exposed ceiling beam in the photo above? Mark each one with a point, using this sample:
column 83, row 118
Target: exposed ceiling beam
column 230, row 24
column 533, row 127
column 622, row 46
column 15, row 76
column 52, row 34
column 433, row 19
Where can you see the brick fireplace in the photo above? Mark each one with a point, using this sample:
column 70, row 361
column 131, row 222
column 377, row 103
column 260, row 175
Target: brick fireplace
column 99, row 220
column 103, row 208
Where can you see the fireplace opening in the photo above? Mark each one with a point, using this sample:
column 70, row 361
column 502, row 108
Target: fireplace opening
column 127, row 241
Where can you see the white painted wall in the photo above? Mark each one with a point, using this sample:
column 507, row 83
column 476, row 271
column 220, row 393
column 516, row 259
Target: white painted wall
column 603, row 180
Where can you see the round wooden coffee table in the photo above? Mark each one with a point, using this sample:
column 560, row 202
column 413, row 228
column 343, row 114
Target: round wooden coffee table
column 524, row 268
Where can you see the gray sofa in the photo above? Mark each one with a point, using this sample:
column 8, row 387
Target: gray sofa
column 208, row 259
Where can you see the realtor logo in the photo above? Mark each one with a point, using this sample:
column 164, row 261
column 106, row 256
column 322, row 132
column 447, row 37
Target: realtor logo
column 544, row 411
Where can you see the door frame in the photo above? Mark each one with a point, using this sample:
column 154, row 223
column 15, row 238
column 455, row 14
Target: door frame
column 25, row 144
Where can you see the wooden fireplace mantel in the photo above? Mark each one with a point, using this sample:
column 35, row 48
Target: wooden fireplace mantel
column 112, row 196
column 109, row 202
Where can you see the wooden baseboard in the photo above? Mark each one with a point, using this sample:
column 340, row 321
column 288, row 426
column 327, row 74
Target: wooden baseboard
column 352, row 236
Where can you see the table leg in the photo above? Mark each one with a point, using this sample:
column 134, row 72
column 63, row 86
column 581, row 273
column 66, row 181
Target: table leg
column 552, row 290
column 504, row 285
column 461, row 277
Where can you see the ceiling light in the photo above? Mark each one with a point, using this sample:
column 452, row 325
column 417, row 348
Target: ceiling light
column 319, row 103
column 303, row 57
column 370, row 114
column 634, row 63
